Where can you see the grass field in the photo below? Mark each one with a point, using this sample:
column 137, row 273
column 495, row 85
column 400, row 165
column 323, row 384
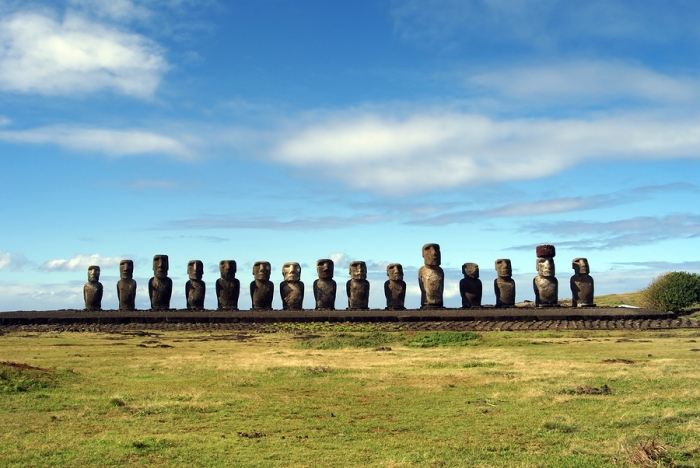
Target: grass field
column 351, row 398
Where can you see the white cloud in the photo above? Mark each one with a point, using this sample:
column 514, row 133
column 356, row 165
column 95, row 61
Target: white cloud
column 109, row 142
column 4, row 121
column 13, row 262
column 41, row 55
column 341, row 260
column 587, row 79
column 121, row 10
column 80, row 262
column 434, row 150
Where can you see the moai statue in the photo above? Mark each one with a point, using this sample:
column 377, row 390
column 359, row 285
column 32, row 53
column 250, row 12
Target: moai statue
column 470, row 286
column 581, row 284
column 160, row 287
column 395, row 287
column 503, row 285
column 228, row 288
column 545, row 284
column 357, row 286
column 195, row 289
column 126, row 286
column 292, row 289
column 431, row 278
column 92, row 291
column 324, row 286
column 262, row 289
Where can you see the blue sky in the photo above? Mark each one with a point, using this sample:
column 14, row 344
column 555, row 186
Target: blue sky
column 297, row 130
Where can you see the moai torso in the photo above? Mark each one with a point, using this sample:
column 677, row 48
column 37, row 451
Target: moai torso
column 195, row 291
column 431, row 280
column 546, row 291
column 581, row 284
column 395, row 293
column 227, row 293
column 160, row 290
column 504, row 288
column 261, row 294
column 292, row 295
column 471, row 290
column 92, row 293
column 358, row 293
column 324, row 293
column 126, row 293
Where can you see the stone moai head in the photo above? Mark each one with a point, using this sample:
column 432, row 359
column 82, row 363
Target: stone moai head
column 545, row 266
column 291, row 271
column 503, row 268
column 324, row 267
column 580, row 266
column 262, row 270
column 431, row 255
column 227, row 269
column 195, row 269
column 358, row 270
column 471, row 270
column 93, row 273
column 126, row 269
column 394, row 271
column 160, row 266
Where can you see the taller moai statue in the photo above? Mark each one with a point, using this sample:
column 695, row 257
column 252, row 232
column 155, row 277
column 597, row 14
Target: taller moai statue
column 262, row 289
column 504, row 285
column 470, row 287
column 545, row 285
column 431, row 278
column 195, row 288
column 581, row 284
column 395, row 287
column 228, row 287
column 92, row 291
column 292, row 289
column 126, row 286
column 160, row 287
column 325, row 286
column 357, row 286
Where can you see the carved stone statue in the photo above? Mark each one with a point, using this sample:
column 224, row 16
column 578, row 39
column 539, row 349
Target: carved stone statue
column 195, row 289
column 324, row 286
column 470, row 287
column 262, row 289
column 92, row 291
column 581, row 284
column 126, row 286
column 545, row 285
column 292, row 289
column 503, row 285
column 160, row 287
column 395, row 287
column 358, row 287
column 228, row 288
column 431, row 278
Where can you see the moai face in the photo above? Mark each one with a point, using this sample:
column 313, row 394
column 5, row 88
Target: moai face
column 545, row 267
column 431, row 255
column 261, row 271
column 471, row 270
column 160, row 266
column 291, row 271
column 227, row 268
column 324, row 267
column 195, row 269
column 126, row 269
column 580, row 266
column 358, row 270
column 395, row 272
column 503, row 268
column 93, row 273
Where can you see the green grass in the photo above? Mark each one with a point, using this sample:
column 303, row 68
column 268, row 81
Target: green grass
column 353, row 398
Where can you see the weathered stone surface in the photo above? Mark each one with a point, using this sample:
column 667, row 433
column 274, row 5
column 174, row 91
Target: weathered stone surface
column 470, row 287
column 126, row 286
column 325, row 287
column 503, row 285
column 160, row 287
column 545, row 250
column 357, row 287
column 581, row 284
column 92, row 291
column 195, row 288
column 262, row 289
column 395, row 287
column 228, row 287
column 291, row 289
column 431, row 278
column 545, row 285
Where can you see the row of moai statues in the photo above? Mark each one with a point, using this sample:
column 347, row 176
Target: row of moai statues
column 431, row 280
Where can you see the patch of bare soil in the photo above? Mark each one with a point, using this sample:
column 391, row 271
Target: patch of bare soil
column 233, row 337
column 587, row 390
column 617, row 361
column 21, row 366
column 649, row 454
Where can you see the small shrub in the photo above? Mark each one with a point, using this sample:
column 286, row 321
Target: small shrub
column 431, row 340
column 672, row 292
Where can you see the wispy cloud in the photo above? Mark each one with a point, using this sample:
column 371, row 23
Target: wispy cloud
column 663, row 265
column 80, row 262
column 40, row 54
column 12, row 261
column 221, row 222
column 119, row 10
column 209, row 239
